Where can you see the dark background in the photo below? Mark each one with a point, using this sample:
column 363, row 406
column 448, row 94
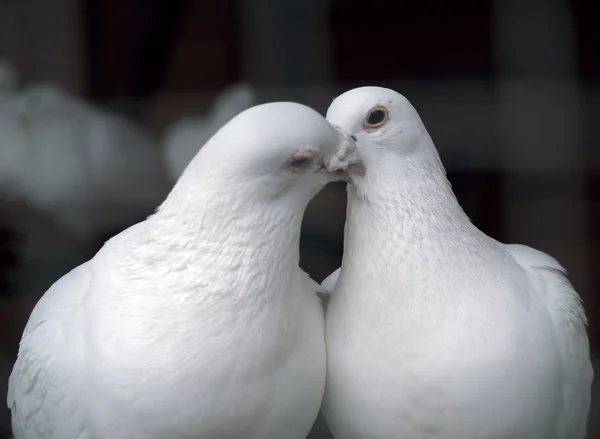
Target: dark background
column 509, row 90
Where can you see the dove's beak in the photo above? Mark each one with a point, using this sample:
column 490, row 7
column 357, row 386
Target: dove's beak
column 346, row 157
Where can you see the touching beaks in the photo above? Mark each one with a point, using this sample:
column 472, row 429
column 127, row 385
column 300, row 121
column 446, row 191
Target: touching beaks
column 346, row 157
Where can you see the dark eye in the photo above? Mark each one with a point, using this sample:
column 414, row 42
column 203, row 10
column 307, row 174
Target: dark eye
column 376, row 118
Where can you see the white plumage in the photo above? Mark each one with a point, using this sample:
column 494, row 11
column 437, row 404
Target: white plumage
column 197, row 322
column 184, row 138
column 91, row 170
column 435, row 330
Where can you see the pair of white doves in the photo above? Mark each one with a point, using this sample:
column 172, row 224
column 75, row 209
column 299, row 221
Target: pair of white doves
column 199, row 323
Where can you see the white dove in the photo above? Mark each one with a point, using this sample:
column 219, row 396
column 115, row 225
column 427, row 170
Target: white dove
column 435, row 330
column 92, row 170
column 197, row 322
column 185, row 137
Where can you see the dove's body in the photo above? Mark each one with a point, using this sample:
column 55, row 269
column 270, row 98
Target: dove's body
column 231, row 362
column 435, row 330
column 198, row 322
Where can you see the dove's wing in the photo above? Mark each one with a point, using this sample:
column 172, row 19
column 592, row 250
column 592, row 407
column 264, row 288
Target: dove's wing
column 329, row 283
column 550, row 281
column 47, row 377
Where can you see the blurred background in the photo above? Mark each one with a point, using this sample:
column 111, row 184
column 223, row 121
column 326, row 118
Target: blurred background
column 103, row 103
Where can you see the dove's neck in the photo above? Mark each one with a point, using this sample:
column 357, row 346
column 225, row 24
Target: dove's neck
column 411, row 229
column 210, row 253
column 415, row 199
column 228, row 232
column 240, row 220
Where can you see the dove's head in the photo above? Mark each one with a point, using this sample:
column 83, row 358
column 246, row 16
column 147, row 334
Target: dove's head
column 275, row 150
column 391, row 137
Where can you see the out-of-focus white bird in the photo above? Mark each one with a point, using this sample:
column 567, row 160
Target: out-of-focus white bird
column 197, row 322
column 93, row 171
column 184, row 138
column 433, row 328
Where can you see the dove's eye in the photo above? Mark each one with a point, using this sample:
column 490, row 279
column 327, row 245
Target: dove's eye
column 302, row 159
column 377, row 117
